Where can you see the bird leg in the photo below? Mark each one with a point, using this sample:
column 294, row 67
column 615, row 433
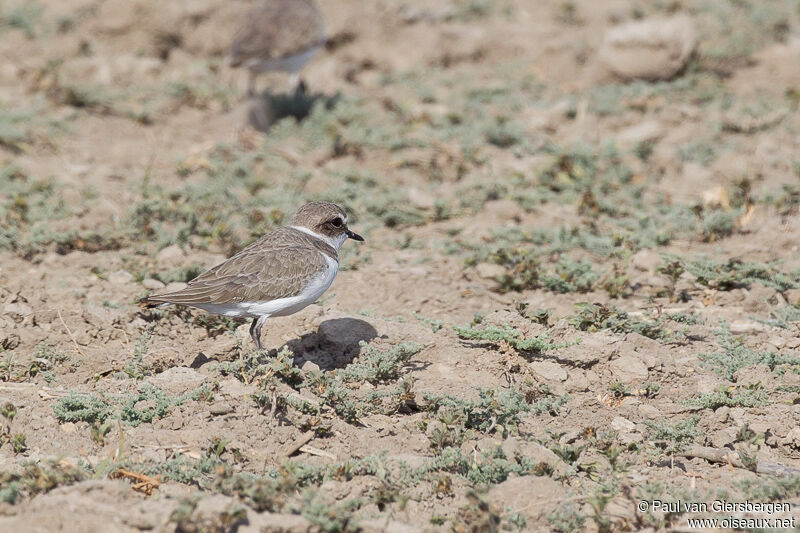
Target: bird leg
column 251, row 84
column 296, row 85
column 255, row 330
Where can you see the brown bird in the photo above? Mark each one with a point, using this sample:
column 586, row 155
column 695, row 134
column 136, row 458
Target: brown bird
column 280, row 35
column 278, row 275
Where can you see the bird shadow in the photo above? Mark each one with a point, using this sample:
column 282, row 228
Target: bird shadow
column 270, row 107
column 335, row 343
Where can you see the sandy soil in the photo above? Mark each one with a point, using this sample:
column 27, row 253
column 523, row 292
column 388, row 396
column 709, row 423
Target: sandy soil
column 502, row 173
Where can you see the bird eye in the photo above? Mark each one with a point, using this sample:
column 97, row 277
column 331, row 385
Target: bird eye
column 337, row 222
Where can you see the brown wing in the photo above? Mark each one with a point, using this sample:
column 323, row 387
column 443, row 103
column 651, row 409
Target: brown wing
column 255, row 274
column 276, row 29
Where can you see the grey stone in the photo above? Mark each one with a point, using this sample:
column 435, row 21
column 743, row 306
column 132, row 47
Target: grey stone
column 628, row 368
column 170, row 257
column 549, row 371
column 745, row 327
column 655, row 49
column 723, row 437
column 646, row 261
column 152, row 284
column 120, row 277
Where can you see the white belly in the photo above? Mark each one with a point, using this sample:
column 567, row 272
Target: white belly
column 282, row 306
column 289, row 64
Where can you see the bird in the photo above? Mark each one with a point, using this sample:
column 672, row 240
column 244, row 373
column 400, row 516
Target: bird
column 281, row 273
column 278, row 35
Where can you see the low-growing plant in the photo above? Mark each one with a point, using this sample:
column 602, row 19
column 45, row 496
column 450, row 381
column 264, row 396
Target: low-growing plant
column 506, row 334
column 735, row 273
column 670, row 439
column 494, row 410
column 595, row 317
column 378, row 366
column 735, row 355
column 731, row 396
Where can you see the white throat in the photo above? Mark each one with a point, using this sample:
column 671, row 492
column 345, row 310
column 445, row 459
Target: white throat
column 334, row 242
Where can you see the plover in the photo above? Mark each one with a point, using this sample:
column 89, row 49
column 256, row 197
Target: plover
column 278, row 35
column 278, row 275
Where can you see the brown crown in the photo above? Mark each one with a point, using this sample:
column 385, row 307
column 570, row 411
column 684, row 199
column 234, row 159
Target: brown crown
column 313, row 214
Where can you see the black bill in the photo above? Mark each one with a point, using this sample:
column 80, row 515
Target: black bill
column 355, row 236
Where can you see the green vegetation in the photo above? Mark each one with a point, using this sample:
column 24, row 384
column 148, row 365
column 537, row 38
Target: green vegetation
column 735, row 273
column 669, row 439
column 144, row 406
column 735, row 396
column 494, row 410
column 505, row 334
column 736, row 355
column 596, row 317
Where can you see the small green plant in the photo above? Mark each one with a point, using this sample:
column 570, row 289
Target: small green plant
column 505, row 334
column 434, row 324
column 82, row 408
column 18, row 443
column 380, row 366
column 595, row 317
column 735, row 273
column 494, row 410
column 259, row 365
column 38, row 478
column 567, row 518
column 670, row 439
column 137, row 368
column 769, row 489
column 732, row 396
column 735, row 355
column 329, row 517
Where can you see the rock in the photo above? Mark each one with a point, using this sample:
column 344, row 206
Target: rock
column 759, row 298
column 18, row 311
column 518, row 493
column 776, row 343
column 642, row 132
column 722, row 415
column 9, row 341
column 628, row 368
column 655, row 49
column 549, row 371
column 749, row 375
column 120, row 277
column 649, row 411
column 792, row 439
column 593, row 348
column 152, row 284
column 171, row 257
column 745, row 327
column 489, row 270
column 177, row 380
column 534, row 451
column 310, row 366
column 622, row 424
column 646, row 261
column 421, row 199
column 793, row 296
column 707, row 384
column 723, row 437
column 220, row 408
column 577, row 381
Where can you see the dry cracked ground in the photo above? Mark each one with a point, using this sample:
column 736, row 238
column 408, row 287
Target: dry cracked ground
column 580, row 286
